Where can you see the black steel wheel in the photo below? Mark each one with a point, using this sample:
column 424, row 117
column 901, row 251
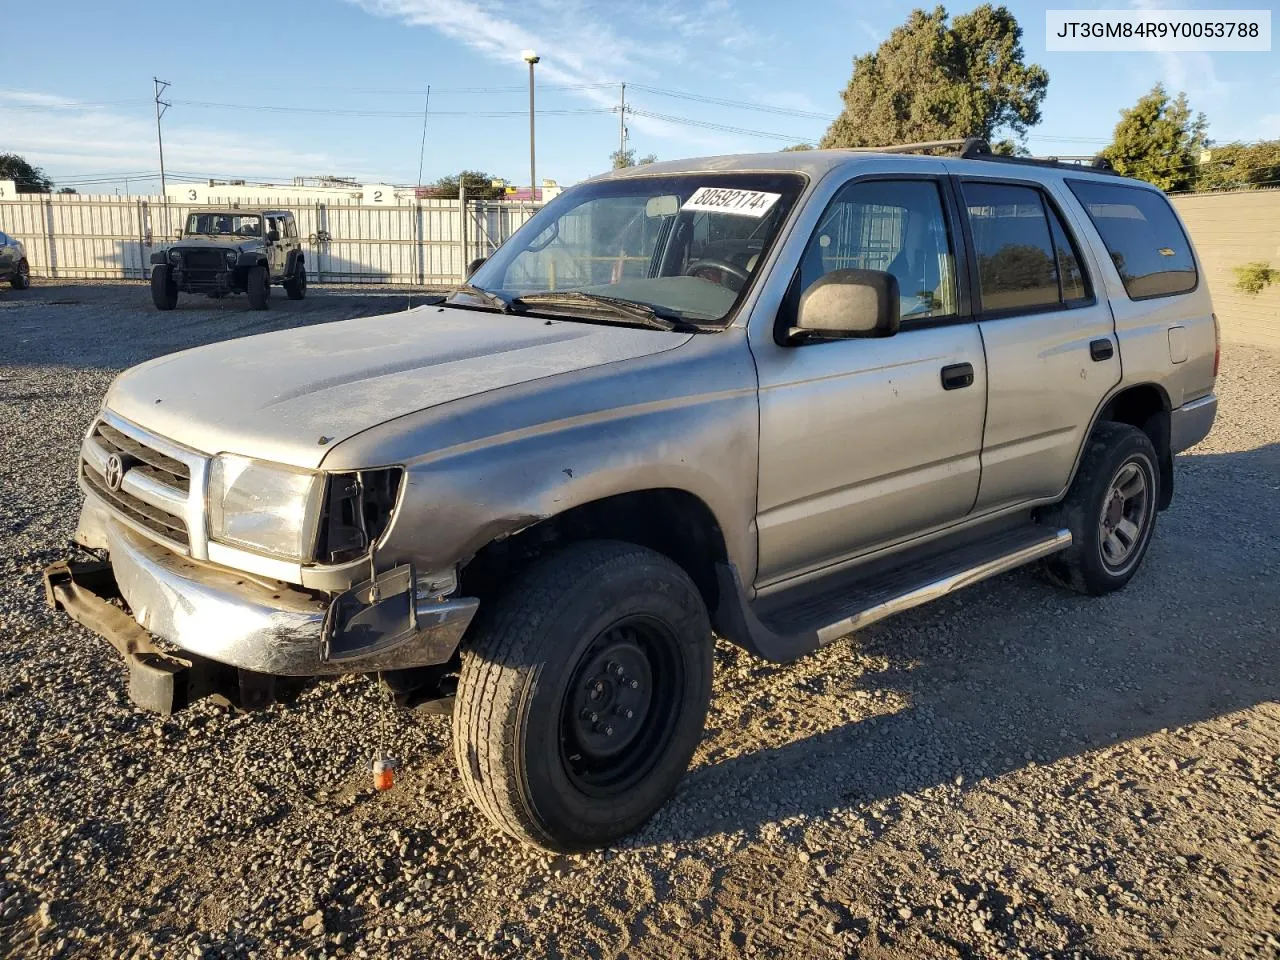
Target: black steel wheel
column 583, row 693
column 258, row 287
column 295, row 288
column 21, row 279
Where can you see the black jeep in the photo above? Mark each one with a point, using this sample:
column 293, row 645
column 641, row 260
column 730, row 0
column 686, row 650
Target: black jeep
column 231, row 251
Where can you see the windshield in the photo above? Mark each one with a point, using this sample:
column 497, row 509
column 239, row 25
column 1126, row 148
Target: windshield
column 225, row 224
column 687, row 245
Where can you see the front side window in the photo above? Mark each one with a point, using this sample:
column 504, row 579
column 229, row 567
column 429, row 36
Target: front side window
column 225, row 224
column 1143, row 236
column 895, row 226
column 685, row 245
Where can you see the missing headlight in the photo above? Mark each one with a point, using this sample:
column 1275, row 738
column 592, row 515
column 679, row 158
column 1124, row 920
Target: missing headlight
column 357, row 509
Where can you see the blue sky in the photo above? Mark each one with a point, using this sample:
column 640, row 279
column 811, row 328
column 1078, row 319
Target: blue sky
column 76, row 100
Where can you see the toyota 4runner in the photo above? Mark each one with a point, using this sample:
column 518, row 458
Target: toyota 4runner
column 231, row 251
column 772, row 398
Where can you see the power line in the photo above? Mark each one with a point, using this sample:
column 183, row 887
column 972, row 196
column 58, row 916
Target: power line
column 737, row 104
column 709, row 125
column 388, row 114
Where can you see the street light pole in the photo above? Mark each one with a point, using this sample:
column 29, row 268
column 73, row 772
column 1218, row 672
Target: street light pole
column 161, row 107
column 531, row 58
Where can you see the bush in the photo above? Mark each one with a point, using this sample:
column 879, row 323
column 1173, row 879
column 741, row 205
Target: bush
column 1252, row 278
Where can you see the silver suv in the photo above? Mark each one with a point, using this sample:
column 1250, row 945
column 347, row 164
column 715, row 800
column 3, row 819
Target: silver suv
column 772, row 398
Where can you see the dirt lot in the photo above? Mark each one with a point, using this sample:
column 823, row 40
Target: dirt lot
column 1016, row 772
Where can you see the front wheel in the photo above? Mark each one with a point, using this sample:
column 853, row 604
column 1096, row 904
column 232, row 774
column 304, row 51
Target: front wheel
column 258, row 287
column 164, row 292
column 583, row 694
column 1110, row 511
column 21, row 279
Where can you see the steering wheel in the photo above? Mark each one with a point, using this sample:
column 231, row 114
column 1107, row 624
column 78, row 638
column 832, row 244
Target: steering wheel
column 724, row 266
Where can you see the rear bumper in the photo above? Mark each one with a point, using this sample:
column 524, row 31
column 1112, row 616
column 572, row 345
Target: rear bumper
column 1191, row 422
column 265, row 627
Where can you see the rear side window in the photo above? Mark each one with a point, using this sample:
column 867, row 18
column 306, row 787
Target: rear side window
column 1143, row 236
column 1026, row 260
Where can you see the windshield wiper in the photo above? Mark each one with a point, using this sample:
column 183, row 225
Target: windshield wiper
column 497, row 301
column 628, row 310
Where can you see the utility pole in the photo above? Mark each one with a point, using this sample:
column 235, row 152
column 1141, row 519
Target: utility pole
column 622, row 126
column 531, row 58
column 422, row 151
column 161, row 107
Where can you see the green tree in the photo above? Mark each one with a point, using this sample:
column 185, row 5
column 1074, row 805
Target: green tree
column 68, row 190
column 627, row 158
column 1239, row 166
column 26, row 178
column 1158, row 140
column 942, row 78
column 796, row 147
column 478, row 183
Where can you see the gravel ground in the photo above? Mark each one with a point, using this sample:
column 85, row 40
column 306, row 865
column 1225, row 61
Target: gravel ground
column 1014, row 772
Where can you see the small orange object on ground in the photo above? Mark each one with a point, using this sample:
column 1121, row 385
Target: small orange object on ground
column 384, row 773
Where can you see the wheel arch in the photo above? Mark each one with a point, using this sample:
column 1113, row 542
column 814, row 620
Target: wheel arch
column 1146, row 406
column 674, row 522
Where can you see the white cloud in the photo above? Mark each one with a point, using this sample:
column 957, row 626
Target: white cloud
column 68, row 138
column 584, row 43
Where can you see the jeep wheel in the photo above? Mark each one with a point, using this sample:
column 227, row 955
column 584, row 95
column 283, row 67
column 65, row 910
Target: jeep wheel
column 21, row 278
column 1110, row 511
column 583, row 694
column 258, row 287
column 295, row 288
column 164, row 292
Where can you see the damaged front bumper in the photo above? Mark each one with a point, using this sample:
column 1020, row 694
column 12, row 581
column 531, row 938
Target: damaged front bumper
column 240, row 621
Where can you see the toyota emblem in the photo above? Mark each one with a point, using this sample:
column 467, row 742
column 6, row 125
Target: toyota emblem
column 114, row 473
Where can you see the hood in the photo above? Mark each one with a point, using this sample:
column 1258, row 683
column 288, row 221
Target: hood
column 275, row 395
column 222, row 242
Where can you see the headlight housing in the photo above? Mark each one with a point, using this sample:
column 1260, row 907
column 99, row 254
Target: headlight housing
column 231, row 257
column 264, row 507
column 175, row 256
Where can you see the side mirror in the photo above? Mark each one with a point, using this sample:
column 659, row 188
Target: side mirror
column 273, row 236
column 850, row 303
column 177, row 234
column 475, row 265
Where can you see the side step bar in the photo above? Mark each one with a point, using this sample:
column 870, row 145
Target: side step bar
column 792, row 628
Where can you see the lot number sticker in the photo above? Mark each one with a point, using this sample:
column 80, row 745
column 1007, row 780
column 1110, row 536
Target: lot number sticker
column 742, row 203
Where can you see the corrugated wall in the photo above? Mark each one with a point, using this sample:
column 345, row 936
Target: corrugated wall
column 112, row 238
column 1229, row 230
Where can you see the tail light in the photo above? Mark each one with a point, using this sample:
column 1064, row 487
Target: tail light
column 1217, row 345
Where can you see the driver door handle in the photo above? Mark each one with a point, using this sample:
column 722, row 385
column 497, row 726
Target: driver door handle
column 957, row 376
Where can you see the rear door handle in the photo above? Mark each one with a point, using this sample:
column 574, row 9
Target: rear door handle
column 1101, row 349
column 957, row 375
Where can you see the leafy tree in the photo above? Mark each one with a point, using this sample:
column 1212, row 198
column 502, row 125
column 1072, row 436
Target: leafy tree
column 938, row 78
column 796, row 147
column 68, row 190
column 627, row 158
column 1240, row 166
column 26, row 178
column 1158, row 140
column 478, row 183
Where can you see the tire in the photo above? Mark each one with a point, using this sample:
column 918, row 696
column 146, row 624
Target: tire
column 1110, row 511
column 21, row 279
column 164, row 292
column 258, row 287
column 295, row 288
column 542, row 664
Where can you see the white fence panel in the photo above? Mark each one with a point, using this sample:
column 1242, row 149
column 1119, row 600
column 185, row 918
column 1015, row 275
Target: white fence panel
column 426, row 242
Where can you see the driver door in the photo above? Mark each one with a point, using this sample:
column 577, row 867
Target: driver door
column 869, row 442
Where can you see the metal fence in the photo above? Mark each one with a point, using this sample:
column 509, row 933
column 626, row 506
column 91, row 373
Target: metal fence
column 427, row 242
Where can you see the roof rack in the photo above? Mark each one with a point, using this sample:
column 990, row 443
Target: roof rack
column 976, row 148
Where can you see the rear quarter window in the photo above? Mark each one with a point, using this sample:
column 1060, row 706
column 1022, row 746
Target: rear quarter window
column 1143, row 236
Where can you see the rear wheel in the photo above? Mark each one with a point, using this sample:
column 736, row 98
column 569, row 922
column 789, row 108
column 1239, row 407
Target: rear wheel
column 21, row 278
column 583, row 694
column 164, row 292
column 1110, row 511
column 295, row 288
column 258, row 287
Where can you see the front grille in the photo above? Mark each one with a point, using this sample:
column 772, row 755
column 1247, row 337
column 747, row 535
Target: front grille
column 141, row 461
column 196, row 259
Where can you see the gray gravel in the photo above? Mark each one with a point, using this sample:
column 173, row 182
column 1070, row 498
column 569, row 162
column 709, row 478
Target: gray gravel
column 1015, row 772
